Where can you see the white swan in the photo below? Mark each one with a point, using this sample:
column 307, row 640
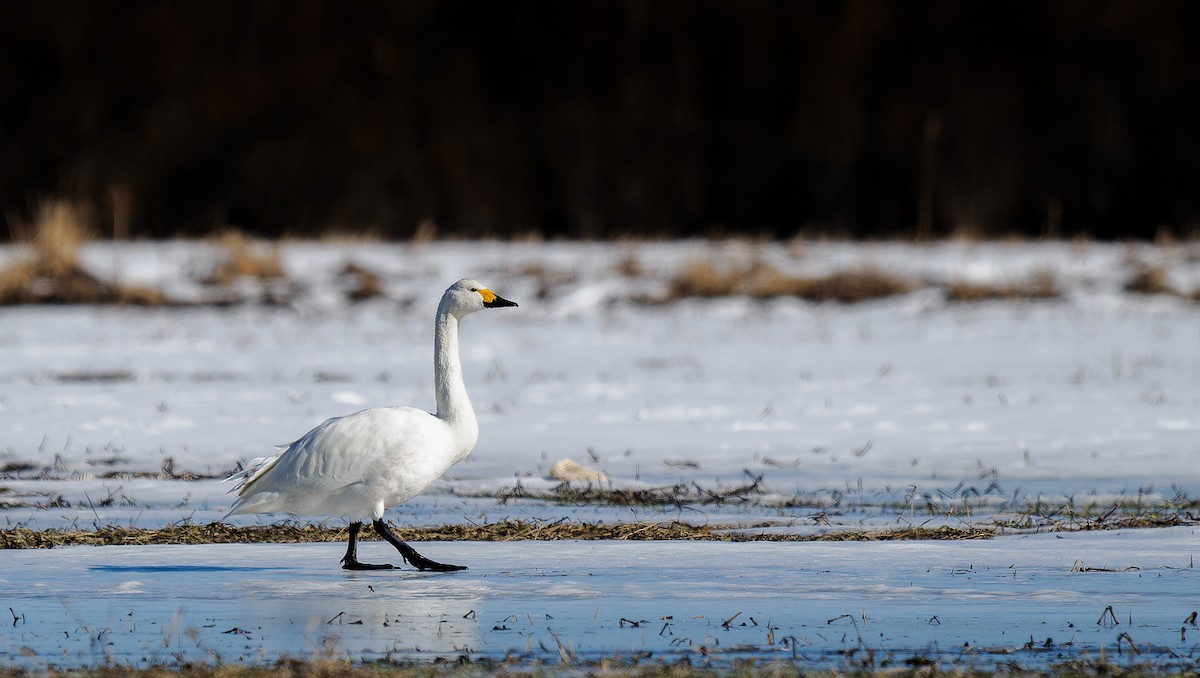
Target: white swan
column 358, row 465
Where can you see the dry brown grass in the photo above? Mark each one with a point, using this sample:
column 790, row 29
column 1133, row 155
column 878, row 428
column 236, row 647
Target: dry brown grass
column 50, row 272
column 1040, row 285
column 425, row 232
column 550, row 280
column 861, row 284
column 1150, row 280
column 565, row 529
column 763, row 281
column 244, row 258
column 630, row 266
column 57, row 235
column 508, row 530
column 362, row 283
column 702, row 279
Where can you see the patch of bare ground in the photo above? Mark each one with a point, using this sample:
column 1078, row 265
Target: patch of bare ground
column 1040, row 285
column 49, row 270
column 762, row 281
column 509, row 530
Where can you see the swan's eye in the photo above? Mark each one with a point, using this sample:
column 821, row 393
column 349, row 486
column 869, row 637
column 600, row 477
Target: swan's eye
column 474, row 290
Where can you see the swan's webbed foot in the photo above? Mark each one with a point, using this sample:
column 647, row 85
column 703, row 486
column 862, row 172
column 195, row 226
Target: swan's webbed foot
column 422, row 563
column 410, row 555
column 350, row 560
column 350, row 564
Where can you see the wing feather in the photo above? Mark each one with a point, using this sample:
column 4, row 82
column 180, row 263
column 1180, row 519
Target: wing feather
column 315, row 474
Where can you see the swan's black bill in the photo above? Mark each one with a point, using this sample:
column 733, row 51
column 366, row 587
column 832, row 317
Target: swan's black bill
column 499, row 302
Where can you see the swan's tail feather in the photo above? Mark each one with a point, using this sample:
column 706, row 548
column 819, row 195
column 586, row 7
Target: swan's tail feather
column 253, row 470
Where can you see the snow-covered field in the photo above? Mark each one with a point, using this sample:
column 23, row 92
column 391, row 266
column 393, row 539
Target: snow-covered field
column 858, row 415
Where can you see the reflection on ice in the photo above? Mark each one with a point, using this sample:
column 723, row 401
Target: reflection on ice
column 174, row 568
column 975, row 602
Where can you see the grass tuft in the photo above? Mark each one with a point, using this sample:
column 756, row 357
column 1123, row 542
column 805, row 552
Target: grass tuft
column 550, row 281
column 361, row 283
column 1040, row 285
column 244, row 258
column 1151, row 280
column 630, row 266
column 847, row 287
column 702, row 279
column 762, row 281
column 50, row 271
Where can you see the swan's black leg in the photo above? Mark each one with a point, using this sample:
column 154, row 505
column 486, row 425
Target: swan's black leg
column 410, row 554
column 350, row 560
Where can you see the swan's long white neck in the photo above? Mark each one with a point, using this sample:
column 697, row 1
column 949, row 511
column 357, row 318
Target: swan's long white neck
column 453, row 405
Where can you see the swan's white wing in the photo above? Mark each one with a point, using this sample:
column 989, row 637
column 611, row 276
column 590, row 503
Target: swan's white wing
column 348, row 465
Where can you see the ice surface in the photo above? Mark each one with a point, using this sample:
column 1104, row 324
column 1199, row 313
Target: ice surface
column 1028, row 599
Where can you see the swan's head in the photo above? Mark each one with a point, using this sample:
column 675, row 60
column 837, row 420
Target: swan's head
column 467, row 296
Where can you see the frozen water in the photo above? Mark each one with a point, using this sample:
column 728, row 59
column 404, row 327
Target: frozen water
column 1029, row 599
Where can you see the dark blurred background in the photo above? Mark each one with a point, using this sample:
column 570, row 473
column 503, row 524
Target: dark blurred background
column 599, row 118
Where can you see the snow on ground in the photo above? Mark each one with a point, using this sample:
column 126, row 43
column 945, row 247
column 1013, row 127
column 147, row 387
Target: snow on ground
column 863, row 415
column 1092, row 395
